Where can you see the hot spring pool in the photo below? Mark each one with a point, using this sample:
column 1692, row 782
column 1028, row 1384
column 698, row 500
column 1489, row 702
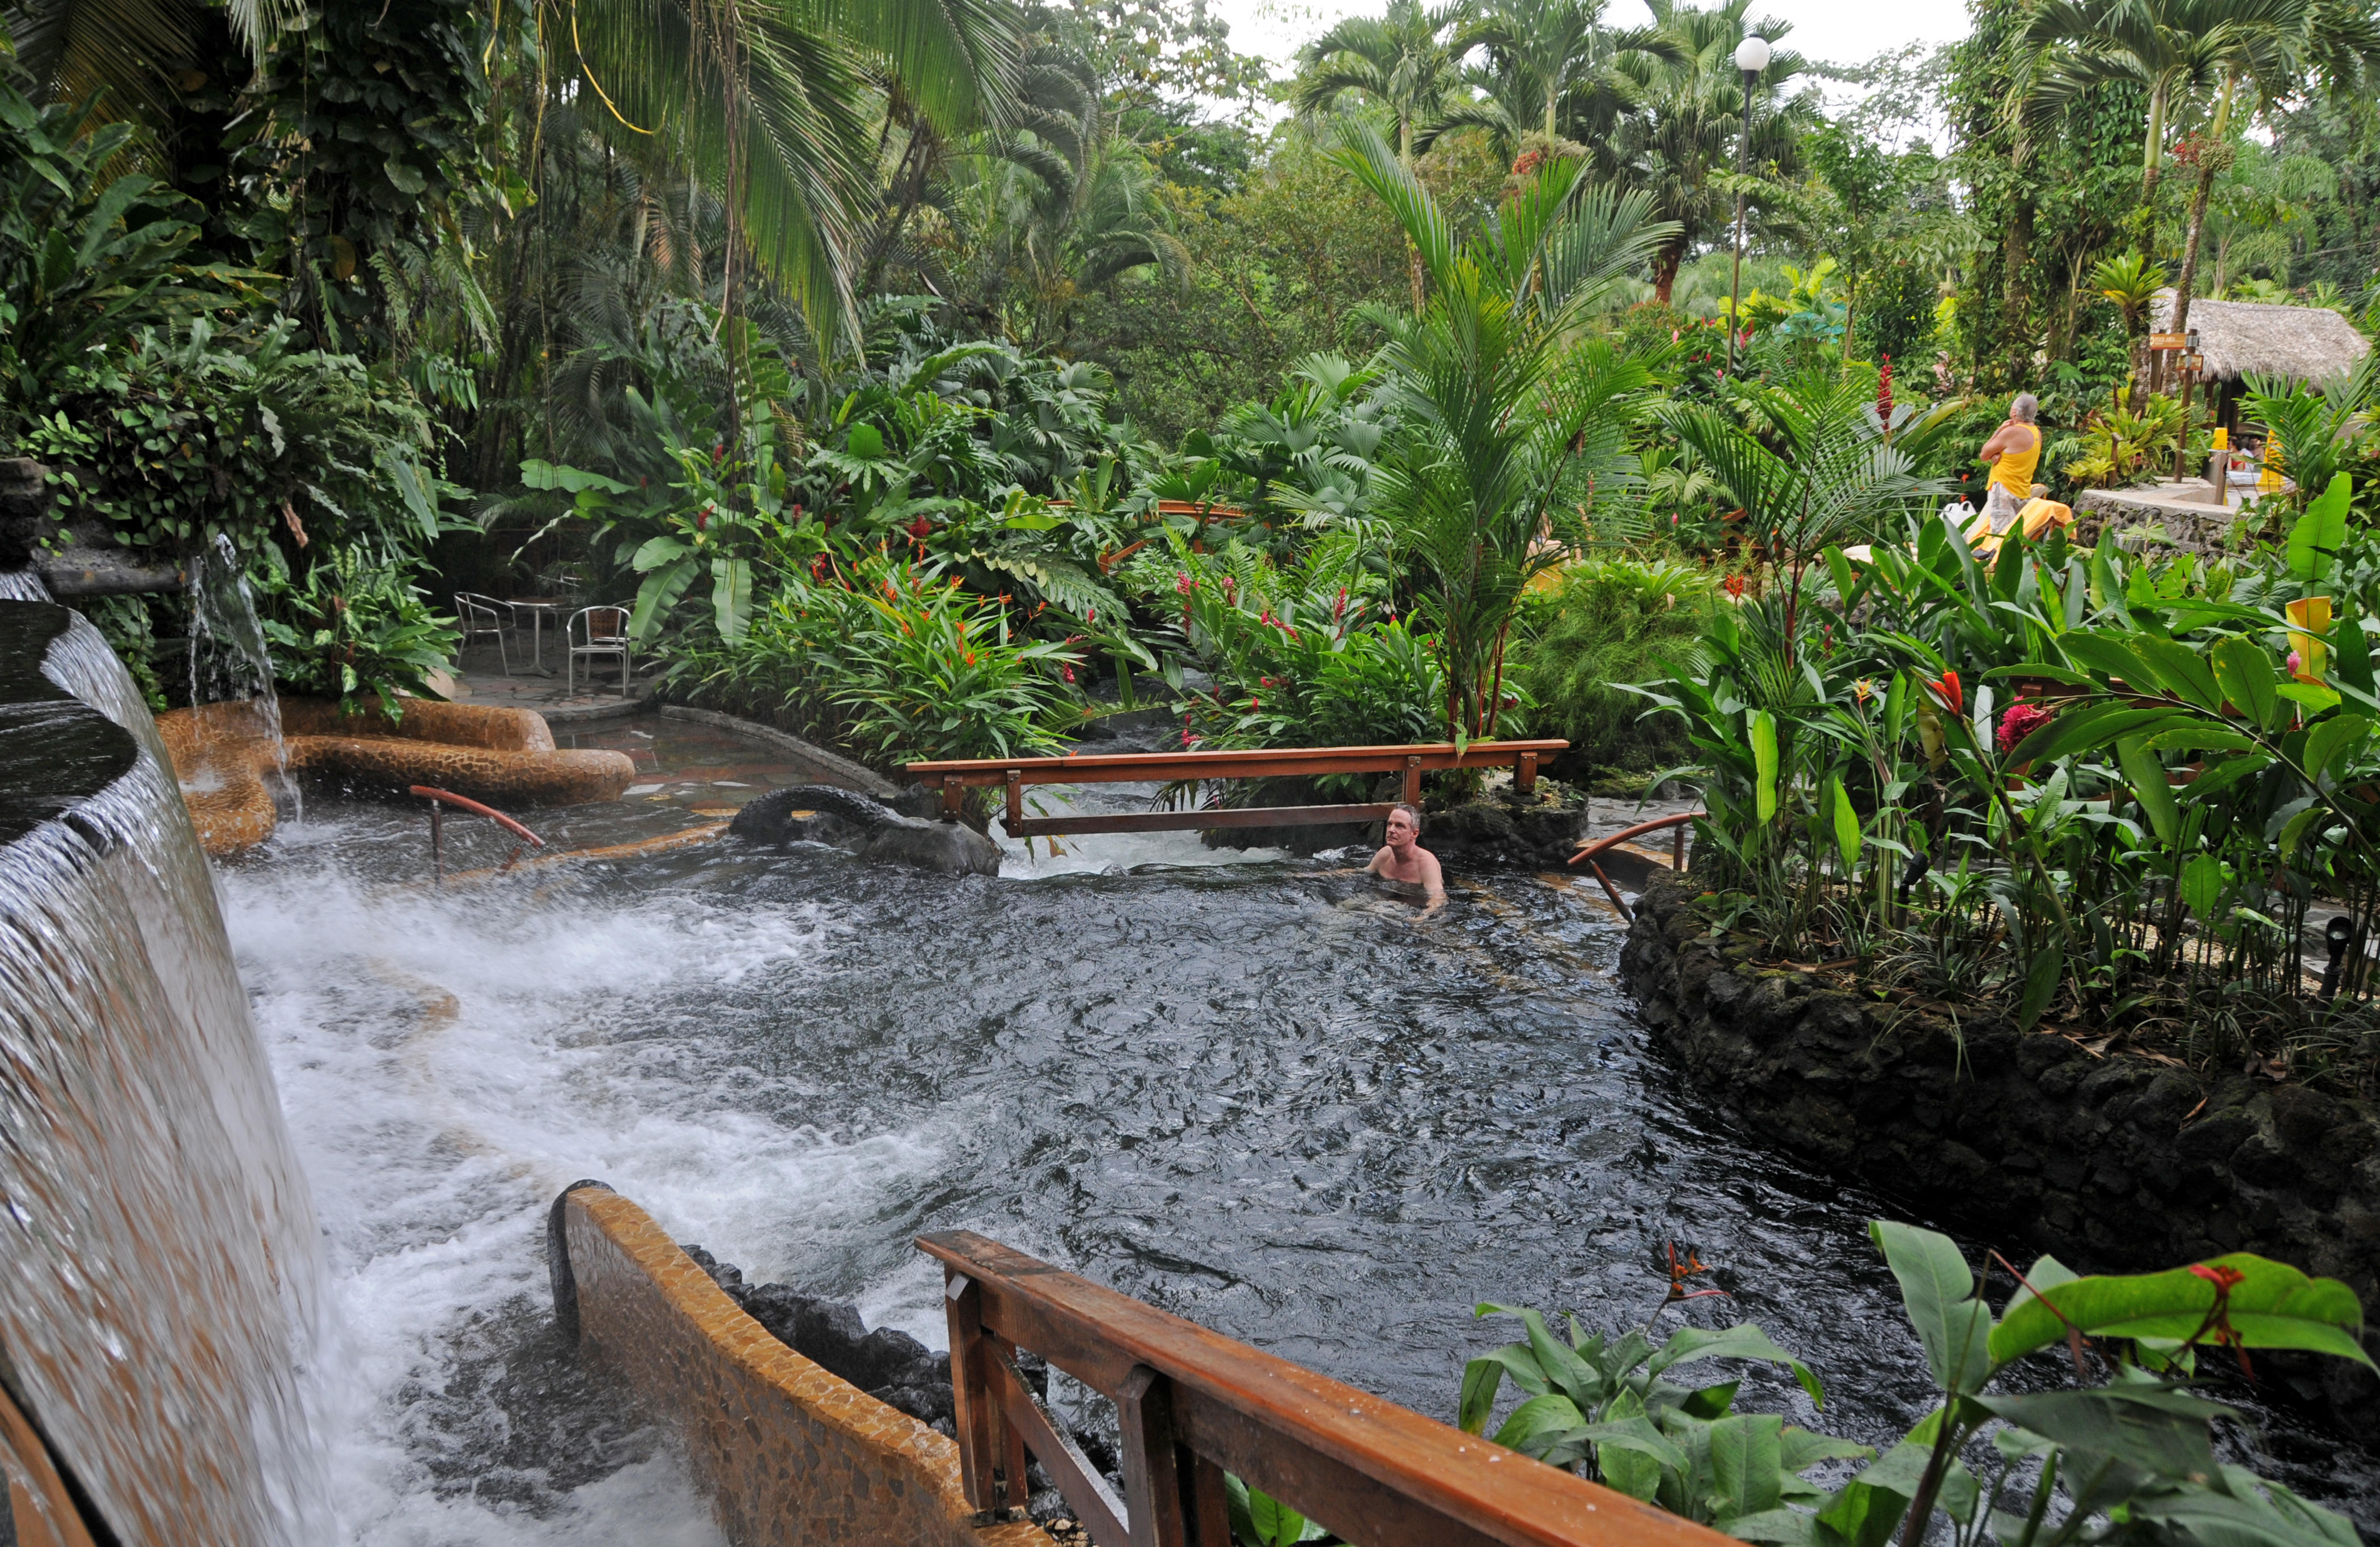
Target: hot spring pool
column 1247, row 1089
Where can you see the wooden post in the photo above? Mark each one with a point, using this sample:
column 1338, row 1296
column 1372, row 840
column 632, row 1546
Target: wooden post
column 976, row 1415
column 1011, row 1446
column 953, row 794
column 1524, row 773
column 1678, row 846
column 1153, row 1476
column 1015, row 799
column 1210, row 1509
column 437, row 844
column 1412, row 782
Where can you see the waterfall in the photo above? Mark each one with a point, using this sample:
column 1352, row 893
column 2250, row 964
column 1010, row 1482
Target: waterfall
column 229, row 661
column 163, row 1281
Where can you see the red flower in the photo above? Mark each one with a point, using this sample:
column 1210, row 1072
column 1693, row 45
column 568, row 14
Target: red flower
column 1735, row 585
column 1067, row 673
column 702, row 519
column 1529, row 162
column 1182, row 583
column 920, row 527
column 2224, row 1279
column 2023, row 720
column 1884, row 392
column 1946, row 691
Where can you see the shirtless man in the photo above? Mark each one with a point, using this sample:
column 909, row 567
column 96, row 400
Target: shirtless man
column 1403, row 860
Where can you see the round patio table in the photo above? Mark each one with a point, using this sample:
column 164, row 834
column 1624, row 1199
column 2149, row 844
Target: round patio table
column 539, row 609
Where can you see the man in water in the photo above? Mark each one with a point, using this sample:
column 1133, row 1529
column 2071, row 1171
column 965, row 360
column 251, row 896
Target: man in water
column 1404, row 861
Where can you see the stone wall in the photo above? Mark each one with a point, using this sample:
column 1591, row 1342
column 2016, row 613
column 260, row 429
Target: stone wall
column 2111, row 1164
column 788, row 1453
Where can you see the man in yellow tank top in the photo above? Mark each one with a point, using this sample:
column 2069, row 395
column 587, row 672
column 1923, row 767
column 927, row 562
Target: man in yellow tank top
column 2014, row 451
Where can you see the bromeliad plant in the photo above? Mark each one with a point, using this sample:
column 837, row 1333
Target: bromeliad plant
column 2125, row 1452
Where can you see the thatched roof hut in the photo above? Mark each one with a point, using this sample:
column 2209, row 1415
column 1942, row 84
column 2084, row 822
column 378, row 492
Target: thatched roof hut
column 2240, row 338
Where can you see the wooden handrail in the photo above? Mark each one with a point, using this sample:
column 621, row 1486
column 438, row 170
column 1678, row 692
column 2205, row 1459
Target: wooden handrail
column 1194, row 1404
column 1587, row 851
column 955, row 776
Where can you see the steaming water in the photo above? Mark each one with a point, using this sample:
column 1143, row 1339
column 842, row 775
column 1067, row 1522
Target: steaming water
column 1252, row 1092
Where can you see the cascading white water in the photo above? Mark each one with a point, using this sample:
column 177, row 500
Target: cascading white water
column 229, row 659
column 162, row 1263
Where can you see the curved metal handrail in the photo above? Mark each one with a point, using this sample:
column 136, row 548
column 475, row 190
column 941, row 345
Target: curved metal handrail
column 426, row 792
column 1588, row 851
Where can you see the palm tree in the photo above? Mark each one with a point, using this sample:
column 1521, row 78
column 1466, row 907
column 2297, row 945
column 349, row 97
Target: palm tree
column 1069, row 203
column 2131, row 282
column 1681, row 140
column 1401, row 60
column 1549, row 75
column 1498, row 399
column 2174, row 50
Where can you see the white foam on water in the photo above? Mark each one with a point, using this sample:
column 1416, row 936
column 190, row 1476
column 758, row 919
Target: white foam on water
column 449, row 1061
column 1098, row 853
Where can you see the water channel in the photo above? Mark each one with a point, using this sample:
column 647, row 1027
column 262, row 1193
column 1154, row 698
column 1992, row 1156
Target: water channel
column 1244, row 1087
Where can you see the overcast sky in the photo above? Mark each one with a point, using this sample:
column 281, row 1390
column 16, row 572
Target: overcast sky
column 1840, row 31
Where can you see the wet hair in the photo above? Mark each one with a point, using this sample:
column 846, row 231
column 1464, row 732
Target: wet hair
column 1411, row 811
column 2025, row 409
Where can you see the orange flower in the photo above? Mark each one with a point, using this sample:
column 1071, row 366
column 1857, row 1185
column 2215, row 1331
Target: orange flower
column 1946, row 691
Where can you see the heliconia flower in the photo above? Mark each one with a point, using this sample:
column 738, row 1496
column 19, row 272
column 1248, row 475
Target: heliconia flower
column 1255, row 703
column 2022, row 720
column 701, row 520
column 1735, row 586
column 1946, row 691
column 1862, row 690
column 2224, row 1279
column 970, row 657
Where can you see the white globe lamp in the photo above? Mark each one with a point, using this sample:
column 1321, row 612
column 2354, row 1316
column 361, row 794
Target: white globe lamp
column 1751, row 55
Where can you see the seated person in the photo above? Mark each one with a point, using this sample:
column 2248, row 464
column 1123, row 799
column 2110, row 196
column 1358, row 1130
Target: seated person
column 1403, row 860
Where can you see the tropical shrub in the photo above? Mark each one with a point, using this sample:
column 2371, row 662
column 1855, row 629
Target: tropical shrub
column 2125, row 1452
column 351, row 626
column 1600, row 623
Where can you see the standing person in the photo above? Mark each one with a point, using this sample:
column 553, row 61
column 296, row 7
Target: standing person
column 1403, row 860
column 2014, row 451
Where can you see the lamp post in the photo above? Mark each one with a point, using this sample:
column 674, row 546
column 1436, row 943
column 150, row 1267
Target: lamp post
column 2192, row 363
column 1750, row 57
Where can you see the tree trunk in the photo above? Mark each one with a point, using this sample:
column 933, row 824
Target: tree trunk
column 1850, row 314
column 2151, row 161
column 2016, row 251
column 2207, row 163
column 1665, row 275
column 1412, row 253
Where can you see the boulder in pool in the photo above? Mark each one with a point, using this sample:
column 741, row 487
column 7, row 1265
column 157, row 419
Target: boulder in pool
column 851, row 821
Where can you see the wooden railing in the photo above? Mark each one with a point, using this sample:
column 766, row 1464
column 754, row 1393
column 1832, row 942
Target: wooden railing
column 1165, row 768
column 1587, row 851
column 1194, row 1405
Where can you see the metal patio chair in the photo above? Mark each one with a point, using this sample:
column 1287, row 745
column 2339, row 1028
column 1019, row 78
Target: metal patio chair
column 483, row 617
column 596, row 632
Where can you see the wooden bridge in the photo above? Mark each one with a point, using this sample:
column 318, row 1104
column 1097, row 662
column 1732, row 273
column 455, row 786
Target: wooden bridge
column 1013, row 774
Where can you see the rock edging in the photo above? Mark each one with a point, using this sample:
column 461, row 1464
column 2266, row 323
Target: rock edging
column 2113, row 1164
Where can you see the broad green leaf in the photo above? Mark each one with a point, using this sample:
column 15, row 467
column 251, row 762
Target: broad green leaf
column 867, row 441
column 1481, row 1378
column 1540, row 1415
column 2221, row 777
column 2315, row 698
column 2199, row 735
column 1788, row 1528
column 546, row 474
column 2294, row 832
column 1745, row 1457
column 2156, row 1428
column 657, row 551
column 1800, row 1449
column 2249, row 1511
column 2087, row 729
column 1846, row 579
column 731, row 596
column 2332, row 738
column 2145, row 774
column 2351, row 649
column 1626, row 1467
column 1743, row 1341
column 2041, row 980
column 1634, row 1433
column 2273, row 1306
column 2184, row 671
column 2110, row 658
column 1938, row 1288
column 2316, row 537
column 658, row 595
column 1847, row 826
column 1764, row 760
column 2245, row 675
column 2201, row 886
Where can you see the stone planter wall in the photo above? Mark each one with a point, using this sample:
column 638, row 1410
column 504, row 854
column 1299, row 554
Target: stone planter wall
column 791, row 1456
column 2112, row 1164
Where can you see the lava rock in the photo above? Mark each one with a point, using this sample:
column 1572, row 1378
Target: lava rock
column 2114, row 1164
column 853, row 822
